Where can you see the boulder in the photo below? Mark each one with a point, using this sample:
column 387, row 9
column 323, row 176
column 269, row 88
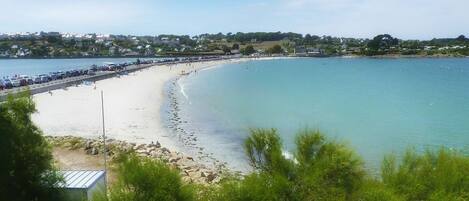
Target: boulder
column 165, row 150
column 174, row 159
column 211, row 176
column 94, row 151
column 88, row 144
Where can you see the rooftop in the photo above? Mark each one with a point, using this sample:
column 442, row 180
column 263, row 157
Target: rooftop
column 80, row 178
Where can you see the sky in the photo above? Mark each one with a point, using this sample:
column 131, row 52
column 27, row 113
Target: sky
column 406, row 19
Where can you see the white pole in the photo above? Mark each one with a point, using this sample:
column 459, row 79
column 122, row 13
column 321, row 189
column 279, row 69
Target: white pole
column 104, row 144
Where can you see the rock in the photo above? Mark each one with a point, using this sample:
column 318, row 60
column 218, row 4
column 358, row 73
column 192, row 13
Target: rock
column 190, row 170
column 211, row 177
column 88, row 144
column 142, row 152
column 94, row 151
column 139, row 146
column 150, row 149
column 165, row 150
column 174, row 159
column 154, row 154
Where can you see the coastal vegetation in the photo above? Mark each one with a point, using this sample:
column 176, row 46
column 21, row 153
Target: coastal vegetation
column 26, row 169
column 54, row 44
column 318, row 169
column 322, row 169
column 146, row 179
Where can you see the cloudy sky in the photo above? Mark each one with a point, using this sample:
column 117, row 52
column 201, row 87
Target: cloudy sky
column 408, row 19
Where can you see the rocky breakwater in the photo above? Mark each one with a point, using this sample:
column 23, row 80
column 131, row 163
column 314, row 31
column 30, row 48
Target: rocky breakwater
column 191, row 170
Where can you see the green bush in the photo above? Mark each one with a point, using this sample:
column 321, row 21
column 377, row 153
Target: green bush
column 323, row 169
column 434, row 175
column 147, row 179
column 26, row 170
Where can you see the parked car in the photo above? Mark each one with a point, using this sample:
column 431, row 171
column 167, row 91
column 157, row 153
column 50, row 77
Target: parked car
column 30, row 81
column 7, row 83
column 37, row 80
column 15, row 82
column 44, row 78
column 53, row 76
column 60, row 75
column 2, row 85
column 91, row 72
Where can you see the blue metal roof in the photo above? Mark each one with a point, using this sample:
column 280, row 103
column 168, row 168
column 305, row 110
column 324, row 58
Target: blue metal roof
column 80, row 178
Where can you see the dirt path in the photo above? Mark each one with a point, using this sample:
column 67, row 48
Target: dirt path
column 66, row 159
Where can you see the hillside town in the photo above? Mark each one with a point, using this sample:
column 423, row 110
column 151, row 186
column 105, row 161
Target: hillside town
column 71, row 45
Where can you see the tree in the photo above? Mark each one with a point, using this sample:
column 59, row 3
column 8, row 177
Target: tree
column 264, row 150
column 276, row 49
column 147, row 179
column 381, row 44
column 321, row 170
column 248, row 50
column 235, row 46
column 461, row 38
column 26, row 171
column 226, row 49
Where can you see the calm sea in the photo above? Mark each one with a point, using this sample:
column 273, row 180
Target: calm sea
column 377, row 106
column 10, row 67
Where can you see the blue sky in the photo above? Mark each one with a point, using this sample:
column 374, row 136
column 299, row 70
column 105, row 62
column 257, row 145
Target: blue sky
column 408, row 19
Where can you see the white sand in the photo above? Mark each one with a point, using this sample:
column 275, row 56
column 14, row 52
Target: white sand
column 132, row 106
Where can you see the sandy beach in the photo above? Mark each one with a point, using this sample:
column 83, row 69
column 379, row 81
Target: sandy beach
column 132, row 106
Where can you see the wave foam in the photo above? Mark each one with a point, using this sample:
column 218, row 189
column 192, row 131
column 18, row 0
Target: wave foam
column 181, row 89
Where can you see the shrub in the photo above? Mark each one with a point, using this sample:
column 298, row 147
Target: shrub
column 147, row 179
column 26, row 170
column 321, row 170
column 434, row 175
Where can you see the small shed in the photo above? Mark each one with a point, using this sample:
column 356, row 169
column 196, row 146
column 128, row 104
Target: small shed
column 80, row 185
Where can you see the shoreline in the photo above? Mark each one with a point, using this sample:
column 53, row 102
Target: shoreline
column 178, row 123
column 76, row 153
column 133, row 106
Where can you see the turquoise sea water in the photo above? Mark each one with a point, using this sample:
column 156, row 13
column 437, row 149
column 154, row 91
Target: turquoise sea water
column 10, row 67
column 377, row 106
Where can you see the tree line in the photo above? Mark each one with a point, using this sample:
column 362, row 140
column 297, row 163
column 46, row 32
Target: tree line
column 220, row 43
